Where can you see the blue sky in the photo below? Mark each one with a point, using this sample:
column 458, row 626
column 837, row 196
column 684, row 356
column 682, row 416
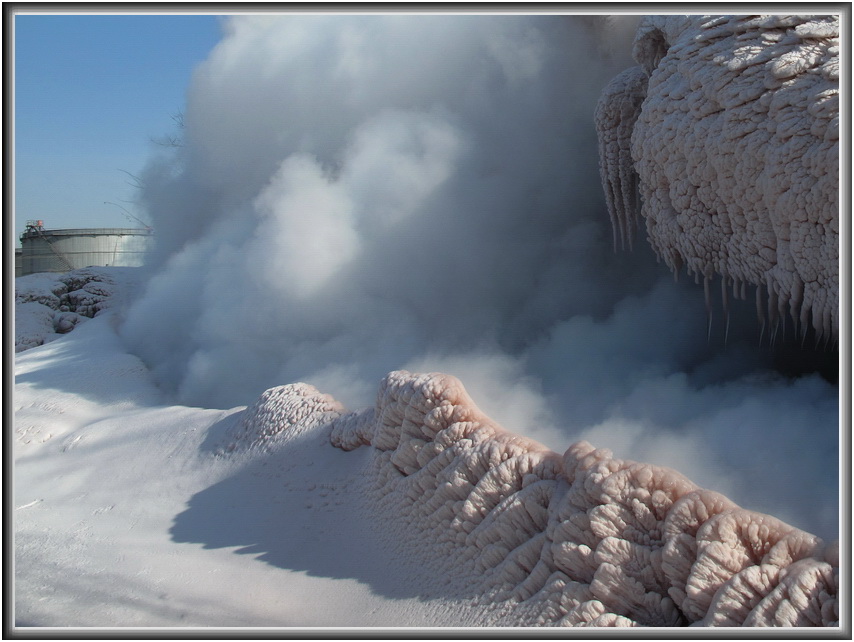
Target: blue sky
column 91, row 92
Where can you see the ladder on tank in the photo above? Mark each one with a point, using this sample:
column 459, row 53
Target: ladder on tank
column 38, row 227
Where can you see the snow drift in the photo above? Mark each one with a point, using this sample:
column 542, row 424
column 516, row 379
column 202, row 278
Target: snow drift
column 729, row 129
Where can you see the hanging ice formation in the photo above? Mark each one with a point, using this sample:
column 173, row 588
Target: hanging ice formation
column 728, row 131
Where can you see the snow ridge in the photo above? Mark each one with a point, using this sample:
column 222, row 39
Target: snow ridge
column 581, row 539
column 729, row 130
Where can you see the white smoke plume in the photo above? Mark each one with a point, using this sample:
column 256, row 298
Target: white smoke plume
column 359, row 194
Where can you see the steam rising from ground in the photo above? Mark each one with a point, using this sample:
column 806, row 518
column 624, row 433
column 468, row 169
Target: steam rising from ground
column 358, row 194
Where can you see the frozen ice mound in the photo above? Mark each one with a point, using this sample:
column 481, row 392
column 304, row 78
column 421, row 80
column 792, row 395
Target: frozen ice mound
column 540, row 538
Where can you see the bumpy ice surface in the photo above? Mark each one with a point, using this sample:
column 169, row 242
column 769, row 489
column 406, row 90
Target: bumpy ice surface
column 539, row 538
column 729, row 131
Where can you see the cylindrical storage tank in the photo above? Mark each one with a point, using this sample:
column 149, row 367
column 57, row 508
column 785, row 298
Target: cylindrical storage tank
column 63, row 250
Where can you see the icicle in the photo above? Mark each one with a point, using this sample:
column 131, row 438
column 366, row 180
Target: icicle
column 773, row 308
column 677, row 266
column 629, row 183
column 707, row 290
column 804, row 317
column 834, row 328
column 616, row 113
column 796, row 298
column 760, row 311
column 725, row 303
column 827, row 325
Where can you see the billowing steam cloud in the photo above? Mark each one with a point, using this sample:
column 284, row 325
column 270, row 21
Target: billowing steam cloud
column 359, row 194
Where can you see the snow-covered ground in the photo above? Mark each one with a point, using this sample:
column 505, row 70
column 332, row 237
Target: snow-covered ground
column 130, row 511
column 127, row 513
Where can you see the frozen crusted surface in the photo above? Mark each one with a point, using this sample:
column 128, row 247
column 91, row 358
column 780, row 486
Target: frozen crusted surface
column 295, row 407
column 579, row 539
column 729, row 131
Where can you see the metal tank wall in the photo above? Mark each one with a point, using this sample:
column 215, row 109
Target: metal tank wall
column 64, row 250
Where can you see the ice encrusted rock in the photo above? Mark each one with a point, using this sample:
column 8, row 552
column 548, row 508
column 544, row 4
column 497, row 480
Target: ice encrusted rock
column 48, row 304
column 729, row 131
column 543, row 539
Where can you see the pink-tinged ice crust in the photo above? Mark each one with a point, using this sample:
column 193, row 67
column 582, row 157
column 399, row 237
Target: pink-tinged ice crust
column 729, row 131
column 581, row 539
